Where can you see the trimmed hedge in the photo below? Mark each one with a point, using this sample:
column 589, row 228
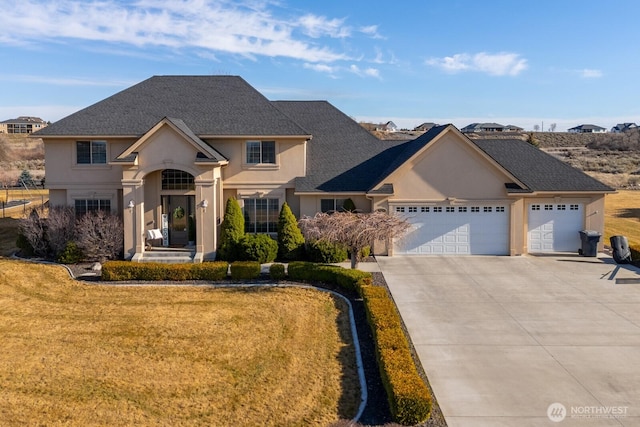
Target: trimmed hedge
column 276, row 271
column 409, row 397
column 242, row 270
column 126, row 270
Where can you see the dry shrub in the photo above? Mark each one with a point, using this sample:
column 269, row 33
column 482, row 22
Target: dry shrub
column 100, row 236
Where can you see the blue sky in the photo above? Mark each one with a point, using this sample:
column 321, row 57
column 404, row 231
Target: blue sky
column 567, row 62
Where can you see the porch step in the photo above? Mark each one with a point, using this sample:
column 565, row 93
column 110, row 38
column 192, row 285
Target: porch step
column 174, row 256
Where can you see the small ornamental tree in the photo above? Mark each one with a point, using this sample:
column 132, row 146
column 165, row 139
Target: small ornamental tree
column 290, row 238
column 353, row 230
column 231, row 232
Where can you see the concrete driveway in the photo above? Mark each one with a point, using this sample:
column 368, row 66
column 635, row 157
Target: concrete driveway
column 505, row 340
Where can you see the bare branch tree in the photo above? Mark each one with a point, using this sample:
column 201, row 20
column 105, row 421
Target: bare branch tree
column 61, row 228
column 353, row 230
column 100, row 235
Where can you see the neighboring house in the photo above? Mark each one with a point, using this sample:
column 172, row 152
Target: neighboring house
column 623, row 127
column 177, row 147
column 587, row 129
column 483, row 127
column 23, row 124
column 387, row 127
column 424, row 127
column 512, row 128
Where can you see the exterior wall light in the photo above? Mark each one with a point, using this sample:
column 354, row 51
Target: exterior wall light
column 204, row 204
column 131, row 205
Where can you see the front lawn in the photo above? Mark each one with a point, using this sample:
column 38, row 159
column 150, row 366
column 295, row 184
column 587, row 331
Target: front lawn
column 78, row 354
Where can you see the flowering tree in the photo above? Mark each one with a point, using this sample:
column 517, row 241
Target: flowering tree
column 353, row 230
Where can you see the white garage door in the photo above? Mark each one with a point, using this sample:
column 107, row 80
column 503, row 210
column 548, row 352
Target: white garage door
column 454, row 230
column 555, row 227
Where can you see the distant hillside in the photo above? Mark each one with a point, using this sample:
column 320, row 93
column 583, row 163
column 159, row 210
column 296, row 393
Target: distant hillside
column 18, row 153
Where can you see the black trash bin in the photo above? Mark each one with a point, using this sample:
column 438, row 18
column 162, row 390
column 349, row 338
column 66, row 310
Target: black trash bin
column 590, row 241
column 621, row 250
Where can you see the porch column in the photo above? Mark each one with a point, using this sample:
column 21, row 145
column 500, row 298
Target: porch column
column 206, row 210
column 133, row 218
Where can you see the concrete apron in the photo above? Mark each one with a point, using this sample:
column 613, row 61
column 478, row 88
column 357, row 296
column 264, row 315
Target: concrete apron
column 524, row 341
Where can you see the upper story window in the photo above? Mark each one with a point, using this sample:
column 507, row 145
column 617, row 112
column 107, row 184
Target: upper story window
column 261, row 152
column 91, row 152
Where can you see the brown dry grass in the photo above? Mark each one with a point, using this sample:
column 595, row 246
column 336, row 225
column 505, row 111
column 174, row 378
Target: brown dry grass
column 622, row 216
column 86, row 355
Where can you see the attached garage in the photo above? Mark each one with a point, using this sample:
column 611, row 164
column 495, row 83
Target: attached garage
column 554, row 227
column 472, row 229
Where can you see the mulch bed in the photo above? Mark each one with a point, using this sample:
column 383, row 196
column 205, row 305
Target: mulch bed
column 376, row 412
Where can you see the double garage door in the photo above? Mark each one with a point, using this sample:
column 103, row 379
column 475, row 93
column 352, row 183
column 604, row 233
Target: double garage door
column 474, row 229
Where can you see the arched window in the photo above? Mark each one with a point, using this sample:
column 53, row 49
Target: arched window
column 173, row 179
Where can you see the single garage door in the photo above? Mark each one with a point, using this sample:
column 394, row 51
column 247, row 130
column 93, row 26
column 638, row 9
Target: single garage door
column 555, row 227
column 474, row 229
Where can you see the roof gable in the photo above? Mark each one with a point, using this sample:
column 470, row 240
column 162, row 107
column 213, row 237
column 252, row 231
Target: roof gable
column 419, row 146
column 205, row 152
column 208, row 105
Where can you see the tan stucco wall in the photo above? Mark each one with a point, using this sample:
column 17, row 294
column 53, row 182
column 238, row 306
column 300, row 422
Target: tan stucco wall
column 449, row 167
column 290, row 162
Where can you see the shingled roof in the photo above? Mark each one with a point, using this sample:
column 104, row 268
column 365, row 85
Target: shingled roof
column 208, row 105
column 536, row 169
column 342, row 156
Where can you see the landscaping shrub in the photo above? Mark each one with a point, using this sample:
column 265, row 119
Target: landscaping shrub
column 231, row 231
column 300, row 270
column 243, row 270
column 23, row 244
column 365, row 252
column 326, row 252
column 258, row 247
column 290, row 239
column 71, row 254
column 33, row 228
column 126, row 270
column 276, row 271
column 216, row 270
column 350, row 279
column 60, row 230
column 409, row 397
column 100, row 235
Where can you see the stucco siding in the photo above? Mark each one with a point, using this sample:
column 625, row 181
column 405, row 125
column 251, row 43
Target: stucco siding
column 450, row 168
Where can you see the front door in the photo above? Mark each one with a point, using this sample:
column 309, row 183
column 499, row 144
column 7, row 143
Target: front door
column 180, row 211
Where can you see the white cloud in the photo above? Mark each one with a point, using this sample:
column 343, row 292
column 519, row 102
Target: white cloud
column 321, row 68
column 497, row 64
column 318, row 26
column 588, row 73
column 64, row 81
column 246, row 28
column 372, row 31
column 366, row 72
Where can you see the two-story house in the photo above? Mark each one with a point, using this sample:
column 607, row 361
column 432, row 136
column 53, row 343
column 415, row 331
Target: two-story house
column 168, row 152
